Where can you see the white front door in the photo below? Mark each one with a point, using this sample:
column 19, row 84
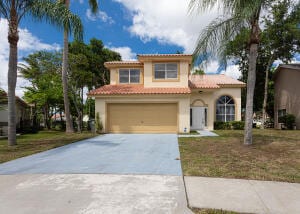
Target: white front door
column 198, row 118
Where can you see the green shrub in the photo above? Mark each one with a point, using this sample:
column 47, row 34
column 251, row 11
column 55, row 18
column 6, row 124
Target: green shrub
column 232, row 125
column 288, row 119
column 237, row 125
column 219, row 125
column 98, row 124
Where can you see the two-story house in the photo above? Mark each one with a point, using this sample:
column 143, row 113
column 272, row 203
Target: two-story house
column 157, row 94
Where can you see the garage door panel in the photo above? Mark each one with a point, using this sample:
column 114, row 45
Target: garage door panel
column 142, row 117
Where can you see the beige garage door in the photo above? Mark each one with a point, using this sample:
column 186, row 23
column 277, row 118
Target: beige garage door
column 142, row 117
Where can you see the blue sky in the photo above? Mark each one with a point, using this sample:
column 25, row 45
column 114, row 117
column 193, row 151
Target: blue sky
column 110, row 25
column 129, row 27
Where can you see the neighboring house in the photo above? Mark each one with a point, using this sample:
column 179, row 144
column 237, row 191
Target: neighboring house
column 22, row 115
column 287, row 92
column 156, row 93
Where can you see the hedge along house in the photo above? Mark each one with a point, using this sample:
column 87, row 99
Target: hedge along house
column 157, row 94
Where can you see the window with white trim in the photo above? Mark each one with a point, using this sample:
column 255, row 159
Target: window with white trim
column 165, row 71
column 225, row 109
column 129, row 76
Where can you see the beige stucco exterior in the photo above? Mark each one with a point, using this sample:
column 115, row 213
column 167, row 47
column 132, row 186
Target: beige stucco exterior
column 287, row 93
column 208, row 98
column 197, row 98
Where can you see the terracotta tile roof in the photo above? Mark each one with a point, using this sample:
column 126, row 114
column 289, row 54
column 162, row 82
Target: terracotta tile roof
column 123, row 63
column 213, row 81
column 175, row 55
column 136, row 89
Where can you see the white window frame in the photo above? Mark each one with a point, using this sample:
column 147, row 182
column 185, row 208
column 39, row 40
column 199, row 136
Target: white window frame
column 225, row 105
column 166, row 71
column 129, row 74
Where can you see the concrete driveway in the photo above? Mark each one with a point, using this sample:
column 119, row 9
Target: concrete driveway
column 155, row 154
column 114, row 173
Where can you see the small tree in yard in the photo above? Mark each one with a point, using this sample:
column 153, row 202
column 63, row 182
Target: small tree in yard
column 98, row 124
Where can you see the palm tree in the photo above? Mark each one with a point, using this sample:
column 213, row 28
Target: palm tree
column 69, row 124
column 238, row 14
column 14, row 10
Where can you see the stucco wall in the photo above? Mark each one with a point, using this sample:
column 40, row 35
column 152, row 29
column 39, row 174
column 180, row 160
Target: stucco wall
column 149, row 80
column 182, row 100
column 208, row 99
column 287, row 94
column 147, row 76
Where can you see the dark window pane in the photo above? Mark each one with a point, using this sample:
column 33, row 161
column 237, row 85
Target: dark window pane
column 159, row 67
column 159, row 74
column 134, row 72
column 172, row 66
column 124, row 76
column 134, row 79
column 134, row 76
column 229, row 118
column 124, row 79
column 230, row 109
column 172, row 74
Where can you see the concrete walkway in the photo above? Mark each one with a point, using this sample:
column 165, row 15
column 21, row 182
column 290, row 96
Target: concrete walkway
column 201, row 133
column 244, row 196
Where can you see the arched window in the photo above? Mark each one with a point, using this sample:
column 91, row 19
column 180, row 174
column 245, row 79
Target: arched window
column 225, row 109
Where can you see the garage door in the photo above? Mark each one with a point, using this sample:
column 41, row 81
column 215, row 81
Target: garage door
column 142, row 117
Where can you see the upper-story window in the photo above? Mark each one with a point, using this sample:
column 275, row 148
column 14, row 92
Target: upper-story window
column 165, row 71
column 129, row 76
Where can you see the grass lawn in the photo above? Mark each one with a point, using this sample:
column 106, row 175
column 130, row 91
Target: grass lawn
column 274, row 155
column 33, row 143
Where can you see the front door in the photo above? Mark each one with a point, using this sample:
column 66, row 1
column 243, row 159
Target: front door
column 198, row 118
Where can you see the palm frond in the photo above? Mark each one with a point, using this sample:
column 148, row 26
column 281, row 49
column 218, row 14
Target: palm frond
column 57, row 14
column 213, row 39
column 244, row 8
column 93, row 5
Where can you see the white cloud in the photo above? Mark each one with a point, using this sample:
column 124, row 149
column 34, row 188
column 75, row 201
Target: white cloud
column 99, row 15
column 167, row 22
column 28, row 43
column 125, row 52
column 232, row 71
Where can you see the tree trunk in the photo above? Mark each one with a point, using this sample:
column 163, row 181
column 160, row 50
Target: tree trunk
column 264, row 109
column 13, row 38
column 254, row 41
column 69, row 124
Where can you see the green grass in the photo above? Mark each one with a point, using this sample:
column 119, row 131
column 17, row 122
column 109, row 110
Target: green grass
column 274, row 155
column 33, row 143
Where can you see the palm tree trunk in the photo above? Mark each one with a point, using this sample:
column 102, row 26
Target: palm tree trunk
column 13, row 38
column 266, row 93
column 69, row 123
column 254, row 41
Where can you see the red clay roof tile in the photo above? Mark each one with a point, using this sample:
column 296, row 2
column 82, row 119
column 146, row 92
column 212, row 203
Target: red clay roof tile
column 136, row 89
column 212, row 81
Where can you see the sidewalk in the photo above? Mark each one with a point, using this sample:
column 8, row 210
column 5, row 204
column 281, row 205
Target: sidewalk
column 245, row 196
